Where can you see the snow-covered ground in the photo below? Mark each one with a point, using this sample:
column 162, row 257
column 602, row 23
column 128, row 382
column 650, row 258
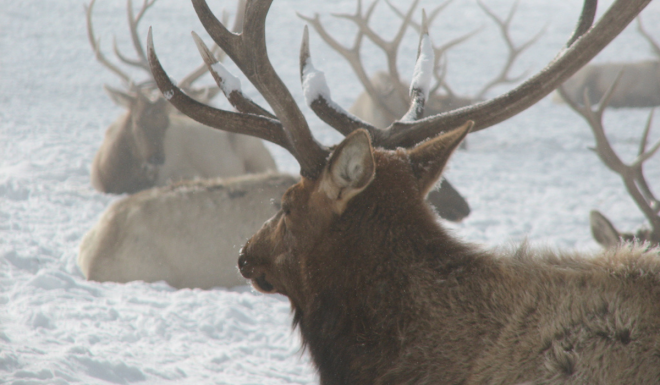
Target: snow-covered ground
column 532, row 177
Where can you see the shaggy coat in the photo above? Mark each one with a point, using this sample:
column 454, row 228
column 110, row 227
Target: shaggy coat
column 382, row 294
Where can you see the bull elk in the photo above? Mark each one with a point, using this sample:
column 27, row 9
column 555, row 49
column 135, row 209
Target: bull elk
column 632, row 174
column 141, row 237
column 381, row 292
column 639, row 85
column 152, row 144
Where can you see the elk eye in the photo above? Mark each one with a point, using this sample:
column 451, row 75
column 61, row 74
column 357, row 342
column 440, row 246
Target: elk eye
column 286, row 208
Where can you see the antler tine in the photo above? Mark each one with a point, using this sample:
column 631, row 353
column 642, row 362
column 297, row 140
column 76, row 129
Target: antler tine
column 439, row 71
column 217, row 53
column 647, row 36
column 439, row 50
column 352, row 55
column 595, row 119
column 496, row 110
column 632, row 175
column 248, row 51
column 317, row 96
column 132, row 26
column 419, row 86
column 249, row 124
column 188, row 80
column 503, row 77
column 639, row 173
column 585, row 21
column 96, row 46
column 228, row 83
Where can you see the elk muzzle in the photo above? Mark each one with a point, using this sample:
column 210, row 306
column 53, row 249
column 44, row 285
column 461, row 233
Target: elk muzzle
column 255, row 261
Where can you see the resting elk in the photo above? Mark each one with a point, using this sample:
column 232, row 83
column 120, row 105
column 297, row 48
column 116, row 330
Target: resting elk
column 639, row 85
column 381, row 292
column 632, row 174
column 152, row 144
column 187, row 234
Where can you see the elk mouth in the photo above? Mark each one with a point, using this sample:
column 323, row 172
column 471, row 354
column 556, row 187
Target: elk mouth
column 262, row 284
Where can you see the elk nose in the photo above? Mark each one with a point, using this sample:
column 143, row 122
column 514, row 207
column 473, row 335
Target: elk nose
column 242, row 261
column 243, row 266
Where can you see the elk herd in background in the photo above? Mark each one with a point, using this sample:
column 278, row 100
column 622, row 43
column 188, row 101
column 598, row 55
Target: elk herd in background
column 199, row 193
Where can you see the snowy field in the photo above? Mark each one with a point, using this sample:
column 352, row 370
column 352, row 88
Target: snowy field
column 532, row 177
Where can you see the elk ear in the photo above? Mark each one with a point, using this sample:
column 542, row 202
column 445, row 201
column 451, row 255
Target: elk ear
column 429, row 158
column 350, row 169
column 120, row 98
column 602, row 230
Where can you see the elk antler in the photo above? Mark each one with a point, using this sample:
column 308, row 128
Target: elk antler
column 141, row 61
column 248, row 51
column 96, row 45
column 439, row 69
column 514, row 51
column 631, row 174
column 352, row 55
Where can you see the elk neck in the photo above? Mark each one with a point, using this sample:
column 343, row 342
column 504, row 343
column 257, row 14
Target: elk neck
column 372, row 278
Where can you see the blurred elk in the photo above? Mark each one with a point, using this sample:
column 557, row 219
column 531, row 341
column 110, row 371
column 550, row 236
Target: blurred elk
column 152, row 144
column 386, row 96
column 639, row 85
column 381, row 292
column 187, row 234
column 632, row 174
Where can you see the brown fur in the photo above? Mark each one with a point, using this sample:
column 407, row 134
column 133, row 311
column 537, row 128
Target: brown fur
column 382, row 294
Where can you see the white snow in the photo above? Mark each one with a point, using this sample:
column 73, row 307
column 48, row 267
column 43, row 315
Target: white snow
column 314, row 84
column 423, row 74
column 230, row 83
column 531, row 177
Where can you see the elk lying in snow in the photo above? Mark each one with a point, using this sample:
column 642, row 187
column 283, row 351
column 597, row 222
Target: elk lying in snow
column 152, row 145
column 639, row 85
column 381, row 293
column 187, row 234
column 632, row 175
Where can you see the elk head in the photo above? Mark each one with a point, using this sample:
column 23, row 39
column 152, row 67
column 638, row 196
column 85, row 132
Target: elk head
column 133, row 152
column 147, row 122
column 357, row 182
